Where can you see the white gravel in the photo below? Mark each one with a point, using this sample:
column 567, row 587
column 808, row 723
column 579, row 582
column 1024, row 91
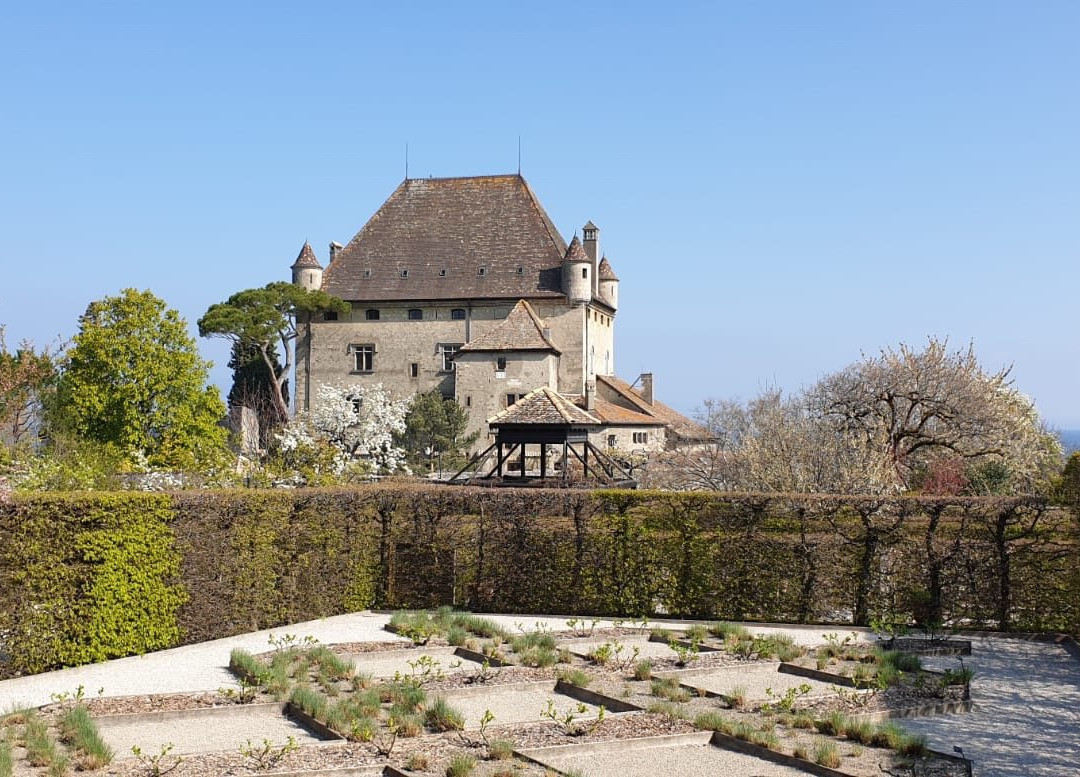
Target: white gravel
column 646, row 649
column 201, row 667
column 514, row 704
column 211, row 731
column 1026, row 721
column 687, row 760
column 388, row 663
column 753, row 679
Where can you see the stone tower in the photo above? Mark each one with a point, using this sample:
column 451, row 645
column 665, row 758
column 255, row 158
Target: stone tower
column 577, row 274
column 306, row 271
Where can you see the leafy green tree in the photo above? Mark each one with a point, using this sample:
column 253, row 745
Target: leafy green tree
column 259, row 318
column 435, row 427
column 252, row 387
column 1070, row 483
column 133, row 379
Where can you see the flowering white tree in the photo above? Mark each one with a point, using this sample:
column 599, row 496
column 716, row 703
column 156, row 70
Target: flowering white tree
column 358, row 424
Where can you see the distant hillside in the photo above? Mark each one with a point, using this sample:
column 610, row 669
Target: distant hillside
column 1070, row 438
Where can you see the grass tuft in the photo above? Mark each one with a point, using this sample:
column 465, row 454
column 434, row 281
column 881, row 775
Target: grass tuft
column 461, row 765
column 441, row 716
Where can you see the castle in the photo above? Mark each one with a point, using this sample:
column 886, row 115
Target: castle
column 464, row 285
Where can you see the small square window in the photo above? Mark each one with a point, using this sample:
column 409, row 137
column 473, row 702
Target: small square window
column 367, row 273
column 482, row 271
column 442, row 273
column 414, row 370
column 416, row 314
column 404, row 273
column 511, row 399
column 520, row 270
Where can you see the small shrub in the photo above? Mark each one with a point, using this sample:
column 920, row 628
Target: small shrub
column 723, row 630
column 409, row 725
column 827, row 754
column 803, row 720
column 671, row 710
column 80, row 732
column 662, row 634
column 405, row 695
column 713, row 721
column 833, row 725
column 501, row 749
column 461, row 765
column 242, row 663
column 360, row 729
column 575, row 677
column 697, row 633
column 457, row 636
column 668, row 688
column 417, row 762
column 737, row 697
column 859, row 731
column 441, row 716
column 310, row 701
column 643, row 669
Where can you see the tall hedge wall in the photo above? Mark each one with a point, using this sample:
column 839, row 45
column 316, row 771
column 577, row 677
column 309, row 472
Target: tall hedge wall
column 85, row 577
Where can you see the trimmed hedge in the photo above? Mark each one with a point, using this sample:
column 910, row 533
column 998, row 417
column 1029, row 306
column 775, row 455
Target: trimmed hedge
column 85, row 577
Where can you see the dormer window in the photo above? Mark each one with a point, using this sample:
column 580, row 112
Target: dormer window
column 404, row 273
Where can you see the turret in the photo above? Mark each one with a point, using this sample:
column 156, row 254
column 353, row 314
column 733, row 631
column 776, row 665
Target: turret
column 306, row 270
column 577, row 274
column 609, row 283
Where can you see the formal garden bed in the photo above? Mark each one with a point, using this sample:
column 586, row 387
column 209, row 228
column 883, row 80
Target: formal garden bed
column 473, row 697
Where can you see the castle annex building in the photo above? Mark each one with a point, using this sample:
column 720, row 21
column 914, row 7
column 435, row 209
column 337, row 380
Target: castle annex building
column 465, row 285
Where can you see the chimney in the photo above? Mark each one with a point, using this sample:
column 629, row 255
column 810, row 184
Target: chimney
column 335, row 247
column 646, row 387
column 590, row 395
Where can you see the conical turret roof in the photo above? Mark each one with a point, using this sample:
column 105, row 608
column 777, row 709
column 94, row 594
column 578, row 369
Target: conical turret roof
column 306, row 258
column 575, row 252
column 605, row 272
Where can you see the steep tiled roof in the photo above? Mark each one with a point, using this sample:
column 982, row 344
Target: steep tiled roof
column 522, row 330
column 617, row 415
column 306, row 258
column 675, row 421
column 544, row 406
column 605, row 272
column 485, row 237
column 575, row 252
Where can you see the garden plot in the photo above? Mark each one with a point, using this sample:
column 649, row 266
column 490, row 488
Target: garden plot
column 752, row 679
column 202, row 731
column 522, row 703
column 645, row 647
column 386, row 664
column 686, row 755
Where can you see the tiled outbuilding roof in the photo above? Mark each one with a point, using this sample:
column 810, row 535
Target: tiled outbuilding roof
column 306, row 258
column 617, row 415
column 676, row 422
column 485, row 237
column 544, row 406
column 522, row 330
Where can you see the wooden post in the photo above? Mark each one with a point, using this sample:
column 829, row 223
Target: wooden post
column 498, row 466
column 543, row 461
column 522, row 459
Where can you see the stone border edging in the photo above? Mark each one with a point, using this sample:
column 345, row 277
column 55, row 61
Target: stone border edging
column 817, row 674
column 480, row 658
column 324, row 731
column 728, row 742
column 918, row 711
column 594, row 698
column 533, row 754
column 195, row 712
column 371, row 770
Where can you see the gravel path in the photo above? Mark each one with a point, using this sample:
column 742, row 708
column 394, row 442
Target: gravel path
column 753, row 679
column 687, row 760
column 1027, row 710
column 209, row 731
column 514, row 704
column 201, row 667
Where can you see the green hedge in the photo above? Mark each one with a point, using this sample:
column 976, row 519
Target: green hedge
column 85, row 577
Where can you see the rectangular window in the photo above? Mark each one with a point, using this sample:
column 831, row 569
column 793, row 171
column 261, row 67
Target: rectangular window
column 612, row 441
column 416, row 314
column 468, row 401
column 457, row 314
column 414, row 370
column 511, row 399
column 447, row 351
column 641, row 438
column 500, row 364
column 330, row 315
column 363, row 357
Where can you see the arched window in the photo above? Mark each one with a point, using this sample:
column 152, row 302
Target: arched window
column 458, row 314
column 416, row 314
column 371, row 314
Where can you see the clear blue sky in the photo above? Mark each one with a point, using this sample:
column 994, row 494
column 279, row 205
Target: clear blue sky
column 780, row 186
